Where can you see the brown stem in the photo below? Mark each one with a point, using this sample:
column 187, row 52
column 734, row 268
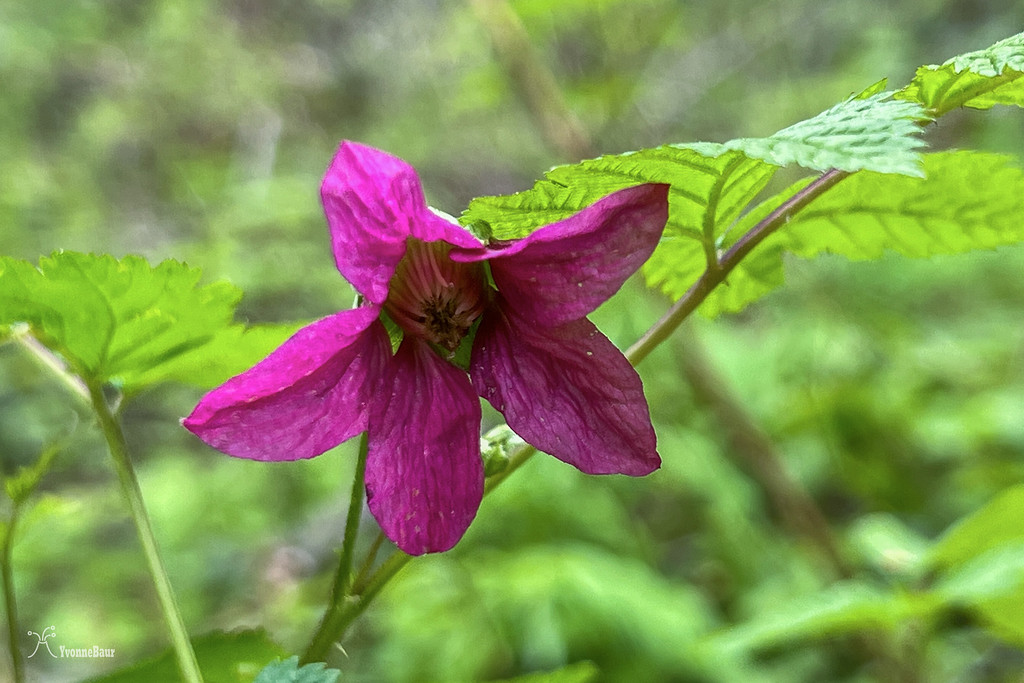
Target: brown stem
column 534, row 83
column 749, row 447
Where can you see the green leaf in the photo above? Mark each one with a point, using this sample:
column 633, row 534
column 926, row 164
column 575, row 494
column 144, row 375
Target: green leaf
column 998, row 523
column 875, row 133
column 289, row 671
column 707, row 194
column 992, row 585
column 981, row 563
column 967, row 201
column 580, row 672
column 873, row 89
column 128, row 322
column 978, row 79
column 223, row 658
column 994, row 573
column 20, row 486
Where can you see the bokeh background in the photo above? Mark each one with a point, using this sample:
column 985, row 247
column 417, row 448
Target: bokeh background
column 198, row 130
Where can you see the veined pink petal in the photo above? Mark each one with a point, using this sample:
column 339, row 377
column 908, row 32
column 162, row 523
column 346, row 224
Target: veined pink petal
column 567, row 391
column 373, row 202
column 565, row 270
column 424, row 475
column 306, row 397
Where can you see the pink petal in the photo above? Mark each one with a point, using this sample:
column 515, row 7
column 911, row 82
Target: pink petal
column 374, row 202
column 567, row 391
column 565, row 270
column 306, row 397
column 424, row 475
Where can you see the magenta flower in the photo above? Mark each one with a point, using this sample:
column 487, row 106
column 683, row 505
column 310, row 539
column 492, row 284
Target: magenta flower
column 560, row 384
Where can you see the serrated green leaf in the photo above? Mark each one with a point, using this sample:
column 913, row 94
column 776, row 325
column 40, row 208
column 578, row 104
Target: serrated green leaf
column 1000, row 522
column 979, row 79
column 875, row 133
column 131, row 323
column 968, row 201
column 223, row 658
column 710, row 187
column 289, row 671
column 707, row 194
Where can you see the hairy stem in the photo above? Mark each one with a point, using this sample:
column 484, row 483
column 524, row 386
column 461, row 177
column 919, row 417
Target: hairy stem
column 324, row 636
column 111, row 427
column 711, row 278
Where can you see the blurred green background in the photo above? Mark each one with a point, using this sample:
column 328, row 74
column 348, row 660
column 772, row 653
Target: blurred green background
column 196, row 130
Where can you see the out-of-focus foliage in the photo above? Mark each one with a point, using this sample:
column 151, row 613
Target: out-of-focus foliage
column 224, row 657
column 892, row 389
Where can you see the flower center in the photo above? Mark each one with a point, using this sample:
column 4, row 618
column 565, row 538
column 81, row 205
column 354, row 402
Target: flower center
column 433, row 297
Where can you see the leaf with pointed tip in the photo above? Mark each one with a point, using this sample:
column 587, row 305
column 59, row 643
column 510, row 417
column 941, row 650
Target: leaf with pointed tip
column 125, row 321
column 980, row 79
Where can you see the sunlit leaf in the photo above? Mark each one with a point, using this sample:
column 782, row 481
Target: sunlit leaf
column 875, row 133
column 708, row 192
column 125, row 321
column 223, row 658
column 978, row 79
column 289, row 671
column 967, row 201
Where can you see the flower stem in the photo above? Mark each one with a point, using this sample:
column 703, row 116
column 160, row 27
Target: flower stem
column 712, row 277
column 345, row 608
column 111, row 427
column 325, row 633
column 10, row 603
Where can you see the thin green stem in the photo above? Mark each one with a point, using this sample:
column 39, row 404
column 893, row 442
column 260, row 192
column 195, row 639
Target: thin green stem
column 52, row 364
column 10, row 603
column 324, row 636
column 359, row 583
column 114, row 435
column 711, row 278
